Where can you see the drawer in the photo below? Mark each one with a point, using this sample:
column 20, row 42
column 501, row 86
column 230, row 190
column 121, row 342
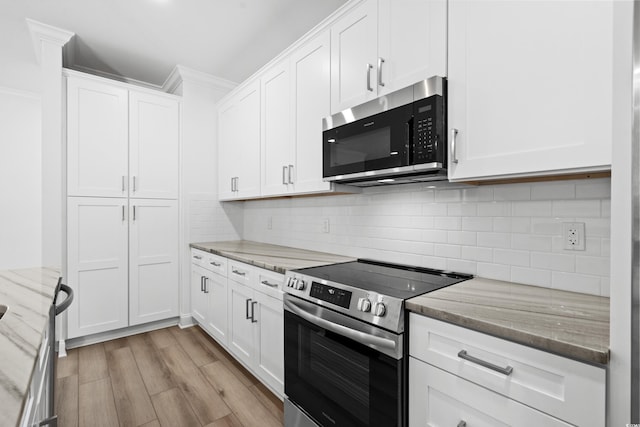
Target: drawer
column 199, row 257
column 270, row 283
column 438, row 398
column 216, row 264
column 241, row 272
column 567, row 389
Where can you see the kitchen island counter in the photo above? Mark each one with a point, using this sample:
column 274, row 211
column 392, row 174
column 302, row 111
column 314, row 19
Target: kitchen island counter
column 570, row 324
column 270, row 257
column 28, row 294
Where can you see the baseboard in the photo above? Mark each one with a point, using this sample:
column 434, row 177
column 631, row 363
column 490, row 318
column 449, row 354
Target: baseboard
column 186, row 321
column 121, row 333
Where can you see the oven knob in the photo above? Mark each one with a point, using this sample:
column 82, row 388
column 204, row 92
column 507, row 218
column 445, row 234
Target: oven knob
column 380, row 309
column 291, row 283
column 300, row 285
column 364, row 304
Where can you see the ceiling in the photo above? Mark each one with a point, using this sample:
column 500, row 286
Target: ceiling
column 144, row 39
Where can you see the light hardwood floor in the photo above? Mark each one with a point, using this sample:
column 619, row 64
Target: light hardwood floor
column 170, row 377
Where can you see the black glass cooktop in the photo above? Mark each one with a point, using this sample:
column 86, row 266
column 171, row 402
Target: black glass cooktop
column 394, row 280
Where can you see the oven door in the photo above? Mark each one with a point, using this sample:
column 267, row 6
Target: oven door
column 341, row 371
column 379, row 142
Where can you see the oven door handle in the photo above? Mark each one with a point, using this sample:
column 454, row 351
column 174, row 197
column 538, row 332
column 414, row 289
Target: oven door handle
column 385, row 345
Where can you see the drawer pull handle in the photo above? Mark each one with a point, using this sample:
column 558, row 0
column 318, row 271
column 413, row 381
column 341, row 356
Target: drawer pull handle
column 215, row 264
column 271, row 285
column 197, row 257
column 462, row 423
column 239, row 273
column 505, row 371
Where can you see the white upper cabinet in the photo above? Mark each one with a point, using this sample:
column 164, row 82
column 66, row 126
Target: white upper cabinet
column 412, row 42
column 121, row 142
column 384, row 45
column 97, row 140
column 239, row 145
column 311, row 89
column 530, row 87
column 276, row 143
column 154, row 135
column 354, row 54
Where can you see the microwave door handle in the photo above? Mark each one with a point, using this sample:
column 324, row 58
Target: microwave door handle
column 358, row 336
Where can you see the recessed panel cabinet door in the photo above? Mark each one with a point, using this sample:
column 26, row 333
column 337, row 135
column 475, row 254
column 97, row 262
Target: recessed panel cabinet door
column 354, row 48
column 97, row 245
column 97, row 139
column 530, row 87
column 311, row 87
column 153, row 260
column 216, row 290
column 241, row 339
column 412, row 42
column 199, row 300
column 154, row 138
column 228, row 162
column 269, row 334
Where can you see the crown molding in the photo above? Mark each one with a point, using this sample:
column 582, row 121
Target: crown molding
column 181, row 73
column 47, row 33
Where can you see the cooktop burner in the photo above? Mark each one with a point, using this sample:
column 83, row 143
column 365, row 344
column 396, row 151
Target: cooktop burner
column 393, row 280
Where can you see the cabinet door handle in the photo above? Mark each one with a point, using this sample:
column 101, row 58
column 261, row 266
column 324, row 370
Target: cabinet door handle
column 238, row 272
column 290, row 174
column 369, row 68
column 380, row 62
column 201, row 283
column 454, row 155
column 246, row 308
column 123, row 213
column 284, row 175
column 206, row 285
column 462, row 354
column 134, row 212
column 271, row 285
column 462, row 423
column 134, row 183
column 253, row 312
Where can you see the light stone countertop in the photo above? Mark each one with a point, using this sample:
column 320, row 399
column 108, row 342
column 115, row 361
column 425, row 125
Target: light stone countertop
column 566, row 323
column 29, row 294
column 271, row 257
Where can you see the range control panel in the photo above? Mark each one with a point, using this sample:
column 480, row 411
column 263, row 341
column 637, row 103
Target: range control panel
column 330, row 294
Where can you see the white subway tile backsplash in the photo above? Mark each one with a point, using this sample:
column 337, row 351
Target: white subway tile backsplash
column 575, row 208
column 507, row 232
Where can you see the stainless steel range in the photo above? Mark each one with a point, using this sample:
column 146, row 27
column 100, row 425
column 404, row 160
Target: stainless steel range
column 345, row 355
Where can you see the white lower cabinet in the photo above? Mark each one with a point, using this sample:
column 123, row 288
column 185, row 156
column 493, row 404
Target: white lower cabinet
column 459, row 375
column 122, row 262
column 242, row 309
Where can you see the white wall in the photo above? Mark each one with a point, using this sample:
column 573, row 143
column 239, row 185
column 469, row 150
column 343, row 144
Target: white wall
column 507, row 232
column 20, row 179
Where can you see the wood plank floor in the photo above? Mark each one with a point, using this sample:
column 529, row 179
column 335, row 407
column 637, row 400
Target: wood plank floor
column 170, row 377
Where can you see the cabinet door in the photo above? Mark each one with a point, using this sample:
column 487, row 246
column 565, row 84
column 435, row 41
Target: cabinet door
column 227, row 149
column 247, row 149
column 153, row 261
column 199, row 300
column 97, row 242
column 216, row 289
column 154, row 137
column 530, row 87
column 97, row 139
column 276, row 143
column 241, row 332
column 354, row 49
column 311, row 88
column 269, row 339
column 412, row 42
column 438, row 398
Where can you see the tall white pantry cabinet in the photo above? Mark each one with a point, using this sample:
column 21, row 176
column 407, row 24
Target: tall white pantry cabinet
column 122, row 204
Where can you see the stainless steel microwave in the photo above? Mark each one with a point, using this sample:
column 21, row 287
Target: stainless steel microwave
column 394, row 139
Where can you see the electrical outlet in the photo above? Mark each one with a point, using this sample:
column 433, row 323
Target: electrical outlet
column 269, row 223
column 573, row 235
column 325, row 225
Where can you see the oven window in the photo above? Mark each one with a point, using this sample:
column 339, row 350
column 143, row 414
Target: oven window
column 363, row 147
column 337, row 381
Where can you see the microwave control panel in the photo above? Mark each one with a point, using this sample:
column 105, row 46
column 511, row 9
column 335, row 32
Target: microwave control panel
column 428, row 130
